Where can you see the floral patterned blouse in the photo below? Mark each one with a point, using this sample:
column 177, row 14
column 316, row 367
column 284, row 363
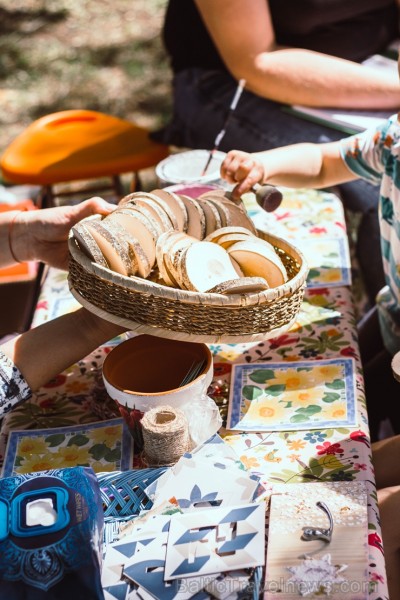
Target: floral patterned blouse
column 13, row 387
column 374, row 155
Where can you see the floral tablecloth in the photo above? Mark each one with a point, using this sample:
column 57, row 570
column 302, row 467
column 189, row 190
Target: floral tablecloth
column 325, row 328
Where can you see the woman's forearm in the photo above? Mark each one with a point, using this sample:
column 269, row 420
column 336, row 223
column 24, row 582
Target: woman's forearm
column 42, row 234
column 244, row 35
column 45, row 351
column 322, row 80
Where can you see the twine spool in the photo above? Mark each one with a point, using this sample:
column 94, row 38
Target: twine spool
column 165, row 436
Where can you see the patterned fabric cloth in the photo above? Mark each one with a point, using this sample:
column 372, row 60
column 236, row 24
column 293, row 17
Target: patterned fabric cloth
column 325, row 329
column 13, row 387
column 374, row 156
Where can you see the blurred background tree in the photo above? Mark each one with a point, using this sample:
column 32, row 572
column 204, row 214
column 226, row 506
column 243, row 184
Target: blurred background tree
column 103, row 55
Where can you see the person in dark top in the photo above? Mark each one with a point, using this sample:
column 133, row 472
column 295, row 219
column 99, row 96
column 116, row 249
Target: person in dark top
column 292, row 52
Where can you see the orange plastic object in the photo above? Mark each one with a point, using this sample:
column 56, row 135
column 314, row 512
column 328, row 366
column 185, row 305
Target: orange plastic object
column 22, row 271
column 76, row 145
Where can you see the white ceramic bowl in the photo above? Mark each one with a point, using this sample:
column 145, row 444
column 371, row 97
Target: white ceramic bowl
column 187, row 167
column 146, row 371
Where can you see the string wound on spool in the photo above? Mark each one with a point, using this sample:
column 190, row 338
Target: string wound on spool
column 165, row 436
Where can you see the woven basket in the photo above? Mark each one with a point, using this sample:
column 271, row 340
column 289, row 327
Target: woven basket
column 147, row 307
column 123, row 493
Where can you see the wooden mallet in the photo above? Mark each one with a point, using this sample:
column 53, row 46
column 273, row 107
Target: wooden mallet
column 267, row 196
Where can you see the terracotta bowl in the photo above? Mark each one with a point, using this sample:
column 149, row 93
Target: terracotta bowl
column 147, row 371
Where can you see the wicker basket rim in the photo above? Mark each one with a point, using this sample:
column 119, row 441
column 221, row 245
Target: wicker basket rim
column 145, row 286
column 140, row 328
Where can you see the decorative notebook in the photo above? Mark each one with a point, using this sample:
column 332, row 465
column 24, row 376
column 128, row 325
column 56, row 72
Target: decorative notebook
column 104, row 446
column 292, row 396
